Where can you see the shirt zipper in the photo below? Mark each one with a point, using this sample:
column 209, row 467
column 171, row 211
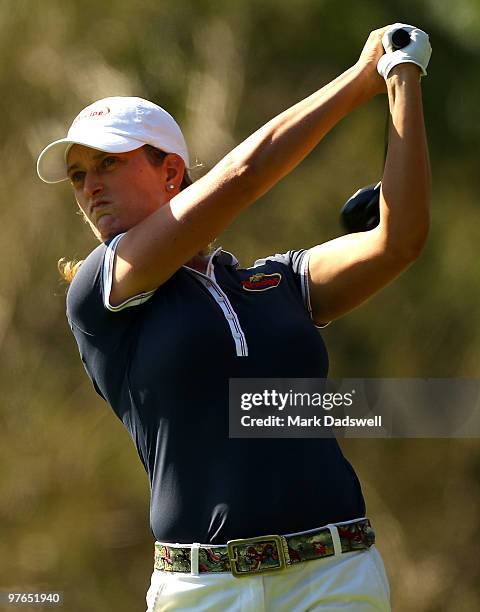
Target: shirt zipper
column 210, row 283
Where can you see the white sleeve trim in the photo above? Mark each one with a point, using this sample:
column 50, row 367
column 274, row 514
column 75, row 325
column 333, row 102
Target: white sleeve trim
column 107, row 277
column 306, row 288
column 280, row 257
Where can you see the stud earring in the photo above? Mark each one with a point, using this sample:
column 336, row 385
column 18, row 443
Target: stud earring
column 171, row 186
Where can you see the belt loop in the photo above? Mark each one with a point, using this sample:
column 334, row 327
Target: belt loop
column 337, row 545
column 194, row 559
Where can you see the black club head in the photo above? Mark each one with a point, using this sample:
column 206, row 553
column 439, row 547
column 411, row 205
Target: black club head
column 361, row 212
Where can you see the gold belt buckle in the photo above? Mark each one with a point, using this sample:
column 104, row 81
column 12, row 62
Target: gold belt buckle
column 254, row 558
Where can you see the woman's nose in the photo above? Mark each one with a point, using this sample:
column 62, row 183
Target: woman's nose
column 92, row 184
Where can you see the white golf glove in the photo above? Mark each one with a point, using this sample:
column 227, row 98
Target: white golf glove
column 418, row 51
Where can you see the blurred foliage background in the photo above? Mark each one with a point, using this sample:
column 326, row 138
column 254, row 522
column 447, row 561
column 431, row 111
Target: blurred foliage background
column 73, row 495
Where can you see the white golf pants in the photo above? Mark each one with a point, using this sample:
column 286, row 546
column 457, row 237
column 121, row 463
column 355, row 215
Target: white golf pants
column 349, row 582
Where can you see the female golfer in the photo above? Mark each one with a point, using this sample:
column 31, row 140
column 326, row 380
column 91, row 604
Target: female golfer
column 162, row 324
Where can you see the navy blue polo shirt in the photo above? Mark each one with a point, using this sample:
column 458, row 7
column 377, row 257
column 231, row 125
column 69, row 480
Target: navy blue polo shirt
column 162, row 360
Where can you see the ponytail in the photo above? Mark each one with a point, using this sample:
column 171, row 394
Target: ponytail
column 68, row 269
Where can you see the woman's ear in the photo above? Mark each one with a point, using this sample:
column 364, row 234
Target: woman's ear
column 174, row 168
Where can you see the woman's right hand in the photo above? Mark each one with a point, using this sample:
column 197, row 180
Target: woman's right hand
column 368, row 60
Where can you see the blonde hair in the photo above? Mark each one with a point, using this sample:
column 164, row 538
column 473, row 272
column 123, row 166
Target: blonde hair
column 68, row 269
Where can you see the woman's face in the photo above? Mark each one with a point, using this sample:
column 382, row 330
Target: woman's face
column 116, row 191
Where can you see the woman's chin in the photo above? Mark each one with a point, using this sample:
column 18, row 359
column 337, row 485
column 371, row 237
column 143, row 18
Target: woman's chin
column 107, row 228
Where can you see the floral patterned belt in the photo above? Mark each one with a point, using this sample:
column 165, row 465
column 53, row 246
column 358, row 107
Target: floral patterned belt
column 265, row 553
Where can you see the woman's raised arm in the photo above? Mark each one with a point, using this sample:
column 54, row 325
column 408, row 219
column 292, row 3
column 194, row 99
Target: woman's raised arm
column 348, row 270
column 155, row 248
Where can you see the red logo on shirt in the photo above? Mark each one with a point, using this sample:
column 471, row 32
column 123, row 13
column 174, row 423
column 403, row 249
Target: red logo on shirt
column 262, row 282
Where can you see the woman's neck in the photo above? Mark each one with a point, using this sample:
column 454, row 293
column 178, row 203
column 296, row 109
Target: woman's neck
column 198, row 262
